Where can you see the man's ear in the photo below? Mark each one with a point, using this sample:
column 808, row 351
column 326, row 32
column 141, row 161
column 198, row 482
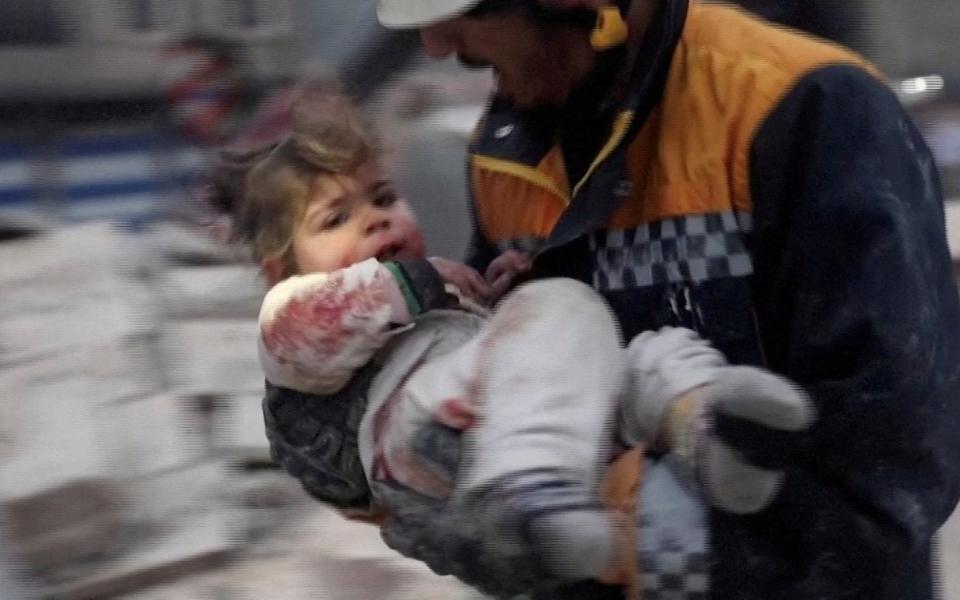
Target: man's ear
column 274, row 270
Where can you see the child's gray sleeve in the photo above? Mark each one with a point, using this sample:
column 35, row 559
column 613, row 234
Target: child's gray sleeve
column 314, row 439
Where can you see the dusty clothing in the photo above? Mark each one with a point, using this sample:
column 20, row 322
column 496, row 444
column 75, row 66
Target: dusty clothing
column 541, row 379
column 767, row 191
column 340, row 336
column 307, row 442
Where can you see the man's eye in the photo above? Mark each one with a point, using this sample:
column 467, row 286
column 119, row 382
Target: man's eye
column 385, row 199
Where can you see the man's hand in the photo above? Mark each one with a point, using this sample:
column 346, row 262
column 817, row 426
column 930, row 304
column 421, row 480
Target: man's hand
column 468, row 282
column 503, row 272
column 678, row 383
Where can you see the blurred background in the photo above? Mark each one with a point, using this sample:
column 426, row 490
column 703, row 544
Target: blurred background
column 132, row 457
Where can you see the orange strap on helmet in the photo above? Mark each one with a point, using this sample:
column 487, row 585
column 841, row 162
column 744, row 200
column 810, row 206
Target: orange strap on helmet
column 610, row 30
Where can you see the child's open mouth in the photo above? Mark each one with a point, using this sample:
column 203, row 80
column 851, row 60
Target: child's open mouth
column 390, row 251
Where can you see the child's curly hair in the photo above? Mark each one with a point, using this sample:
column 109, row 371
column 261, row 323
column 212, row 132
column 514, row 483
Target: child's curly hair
column 266, row 190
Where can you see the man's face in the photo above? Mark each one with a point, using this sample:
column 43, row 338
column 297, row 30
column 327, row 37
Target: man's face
column 532, row 63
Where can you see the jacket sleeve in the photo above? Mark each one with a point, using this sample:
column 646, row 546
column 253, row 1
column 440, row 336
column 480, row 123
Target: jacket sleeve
column 856, row 302
column 316, row 330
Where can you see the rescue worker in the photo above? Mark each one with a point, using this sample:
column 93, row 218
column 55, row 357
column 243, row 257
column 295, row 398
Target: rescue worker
column 702, row 168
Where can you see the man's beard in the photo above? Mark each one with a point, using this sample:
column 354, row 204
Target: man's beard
column 592, row 95
column 539, row 84
column 468, row 62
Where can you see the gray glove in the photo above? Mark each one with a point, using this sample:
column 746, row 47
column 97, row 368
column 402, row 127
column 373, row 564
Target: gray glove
column 677, row 383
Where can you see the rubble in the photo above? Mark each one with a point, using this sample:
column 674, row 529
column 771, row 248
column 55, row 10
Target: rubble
column 212, row 356
column 240, row 435
column 133, row 460
column 67, row 526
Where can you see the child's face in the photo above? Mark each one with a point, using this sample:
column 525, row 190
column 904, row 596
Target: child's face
column 353, row 218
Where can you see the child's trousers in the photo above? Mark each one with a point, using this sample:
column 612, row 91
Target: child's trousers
column 536, row 390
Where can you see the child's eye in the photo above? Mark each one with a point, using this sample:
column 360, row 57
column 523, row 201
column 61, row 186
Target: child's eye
column 333, row 221
column 386, row 199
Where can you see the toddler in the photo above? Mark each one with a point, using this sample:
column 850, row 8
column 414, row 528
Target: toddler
column 377, row 358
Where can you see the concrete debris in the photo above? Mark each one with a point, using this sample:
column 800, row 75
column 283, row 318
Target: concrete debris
column 152, row 434
column 212, row 356
column 239, row 433
column 66, row 526
column 218, row 292
column 197, row 544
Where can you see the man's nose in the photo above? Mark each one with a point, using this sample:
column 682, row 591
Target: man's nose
column 437, row 41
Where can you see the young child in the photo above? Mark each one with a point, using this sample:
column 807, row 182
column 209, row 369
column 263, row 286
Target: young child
column 377, row 357
column 353, row 289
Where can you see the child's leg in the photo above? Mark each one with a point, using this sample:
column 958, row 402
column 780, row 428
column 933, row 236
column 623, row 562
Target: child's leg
column 548, row 374
column 543, row 378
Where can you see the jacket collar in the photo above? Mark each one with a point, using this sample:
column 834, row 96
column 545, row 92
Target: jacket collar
column 607, row 183
column 515, row 141
column 525, row 137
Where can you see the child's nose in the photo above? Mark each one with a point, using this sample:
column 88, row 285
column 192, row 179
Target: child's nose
column 377, row 221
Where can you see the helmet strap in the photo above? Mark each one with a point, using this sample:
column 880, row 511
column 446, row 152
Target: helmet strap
column 610, row 29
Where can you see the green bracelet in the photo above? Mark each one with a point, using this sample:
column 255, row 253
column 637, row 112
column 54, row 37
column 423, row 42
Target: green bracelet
column 411, row 299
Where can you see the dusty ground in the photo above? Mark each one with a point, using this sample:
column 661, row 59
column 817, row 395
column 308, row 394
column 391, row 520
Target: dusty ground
column 296, row 549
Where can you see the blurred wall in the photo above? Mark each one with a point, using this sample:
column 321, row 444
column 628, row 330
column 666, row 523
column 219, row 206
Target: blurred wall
column 904, row 38
column 911, row 38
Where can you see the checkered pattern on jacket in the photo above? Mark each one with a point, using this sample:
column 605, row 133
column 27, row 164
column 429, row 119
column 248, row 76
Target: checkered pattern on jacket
column 690, row 248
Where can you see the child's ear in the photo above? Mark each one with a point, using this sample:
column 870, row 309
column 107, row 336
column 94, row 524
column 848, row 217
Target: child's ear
column 274, row 270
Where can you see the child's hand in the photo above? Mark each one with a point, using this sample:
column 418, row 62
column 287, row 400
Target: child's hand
column 466, row 279
column 503, row 272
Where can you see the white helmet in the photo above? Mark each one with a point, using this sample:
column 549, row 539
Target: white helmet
column 407, row 14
